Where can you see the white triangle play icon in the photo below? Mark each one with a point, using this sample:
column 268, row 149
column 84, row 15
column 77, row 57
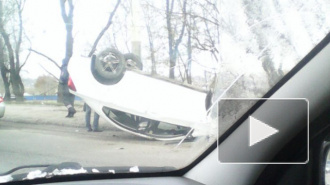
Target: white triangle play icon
column 259, row 131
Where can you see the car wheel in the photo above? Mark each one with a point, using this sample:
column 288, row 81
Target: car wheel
column 108, row 66
column 133, row 61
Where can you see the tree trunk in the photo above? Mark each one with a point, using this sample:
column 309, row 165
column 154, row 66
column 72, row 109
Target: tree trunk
column 15, row 79
column 4, row 72
column 17, row 85
column 148, row 22
column 189, row 48
column 174, row 44
column 19, row 42
column 170, row 37
column 67, row 18
column 6, row 84
column 153, row 61
column 172, row 64
column 152, row 51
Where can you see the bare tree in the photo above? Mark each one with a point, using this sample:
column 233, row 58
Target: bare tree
column 202, row 31
column 63, row 90
column 189, row 60
column 173, row 44
column 205, row 27
column 190, row 25
column 14, row 54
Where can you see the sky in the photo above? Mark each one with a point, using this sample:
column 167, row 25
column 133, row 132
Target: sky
column 45, row 28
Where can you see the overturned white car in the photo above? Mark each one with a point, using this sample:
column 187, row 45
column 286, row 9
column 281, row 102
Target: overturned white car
column 136, row 102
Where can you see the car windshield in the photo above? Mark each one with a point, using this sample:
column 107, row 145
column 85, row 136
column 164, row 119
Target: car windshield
column 133, row 86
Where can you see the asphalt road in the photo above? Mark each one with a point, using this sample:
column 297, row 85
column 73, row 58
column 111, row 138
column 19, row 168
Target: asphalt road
column 40, row 141
column 22, row 144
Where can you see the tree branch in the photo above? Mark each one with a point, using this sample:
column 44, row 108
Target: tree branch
column 53, row 61
column 27, row 57
column 172, row 5
column 70, row 14
column 203, row 18
column 104, row 30
column 63, row 10
column 49, row 72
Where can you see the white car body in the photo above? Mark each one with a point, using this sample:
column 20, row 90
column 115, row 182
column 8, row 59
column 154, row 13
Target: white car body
column 140, row 95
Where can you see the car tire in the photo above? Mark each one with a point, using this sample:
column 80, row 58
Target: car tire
column 108, row 67
column 133, row 61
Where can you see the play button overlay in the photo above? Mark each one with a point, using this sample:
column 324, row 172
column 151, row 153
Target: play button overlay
column 263, row 131
column 259, row 131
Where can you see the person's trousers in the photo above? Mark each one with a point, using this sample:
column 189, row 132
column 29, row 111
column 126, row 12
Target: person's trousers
column 88, row 119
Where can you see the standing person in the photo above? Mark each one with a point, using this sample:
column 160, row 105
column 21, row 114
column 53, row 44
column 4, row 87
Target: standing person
column 68, row 98
column 88, row 120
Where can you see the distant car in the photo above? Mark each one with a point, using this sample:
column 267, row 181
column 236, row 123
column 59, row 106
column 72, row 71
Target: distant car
column 135, row 102
column 2, row 107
